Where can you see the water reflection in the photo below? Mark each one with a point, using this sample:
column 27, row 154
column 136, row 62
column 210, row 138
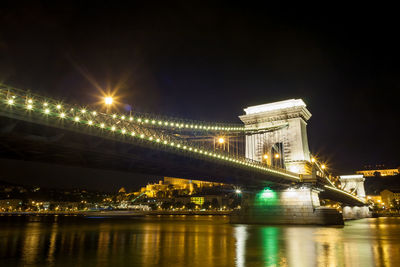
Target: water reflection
column 241, row 237
column 193, row 241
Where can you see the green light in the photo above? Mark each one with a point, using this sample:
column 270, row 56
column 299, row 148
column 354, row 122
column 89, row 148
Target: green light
column 266, row 197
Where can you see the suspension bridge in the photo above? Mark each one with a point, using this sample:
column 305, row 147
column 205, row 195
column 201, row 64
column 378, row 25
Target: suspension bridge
column 268, row 153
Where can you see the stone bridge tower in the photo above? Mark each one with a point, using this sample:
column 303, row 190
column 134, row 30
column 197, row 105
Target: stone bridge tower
column 353, row 183
column 279, row 135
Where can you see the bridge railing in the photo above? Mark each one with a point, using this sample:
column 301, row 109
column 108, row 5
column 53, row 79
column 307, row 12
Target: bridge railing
column 154, row 120
column 33, row 107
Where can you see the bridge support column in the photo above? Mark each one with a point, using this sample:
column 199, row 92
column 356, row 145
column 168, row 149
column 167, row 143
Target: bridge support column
column 351, row 213
column 290, row 206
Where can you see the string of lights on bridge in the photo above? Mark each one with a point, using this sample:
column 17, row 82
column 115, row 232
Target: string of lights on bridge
column 87, row 117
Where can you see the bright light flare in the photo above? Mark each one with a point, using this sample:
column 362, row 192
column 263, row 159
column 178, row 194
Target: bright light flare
column 221, row 140
column 277, row 156
column 313, row 160
column 265, row 156
column 323, row 166
column 108, row 100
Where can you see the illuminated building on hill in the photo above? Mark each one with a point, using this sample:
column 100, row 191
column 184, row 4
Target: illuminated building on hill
column 185, row 186
column 385, row 172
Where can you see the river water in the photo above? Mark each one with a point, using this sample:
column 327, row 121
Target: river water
column 192, row 241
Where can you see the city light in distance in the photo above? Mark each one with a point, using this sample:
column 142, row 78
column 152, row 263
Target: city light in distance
column 238, row 191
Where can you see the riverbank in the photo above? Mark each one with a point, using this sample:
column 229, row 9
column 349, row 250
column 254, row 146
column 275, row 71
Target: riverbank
column 116, row 213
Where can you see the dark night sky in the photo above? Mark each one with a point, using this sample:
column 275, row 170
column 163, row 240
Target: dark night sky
column 208, row 62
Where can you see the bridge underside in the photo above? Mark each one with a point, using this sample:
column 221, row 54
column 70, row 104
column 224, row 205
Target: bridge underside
column 33, row 142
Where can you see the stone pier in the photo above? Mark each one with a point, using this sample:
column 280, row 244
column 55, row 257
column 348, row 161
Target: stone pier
column 289, row 206
column 352, row 213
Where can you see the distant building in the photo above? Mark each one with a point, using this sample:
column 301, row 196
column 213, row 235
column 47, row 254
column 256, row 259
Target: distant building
column 388, row 196
column 379, row 172
column 186, row 186
column 10, row 204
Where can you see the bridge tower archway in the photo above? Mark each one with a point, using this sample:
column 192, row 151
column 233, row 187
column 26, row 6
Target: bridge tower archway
column 277, row 135
column 353, row 183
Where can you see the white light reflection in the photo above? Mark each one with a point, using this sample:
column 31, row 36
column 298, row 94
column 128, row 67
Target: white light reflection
column 241, row 237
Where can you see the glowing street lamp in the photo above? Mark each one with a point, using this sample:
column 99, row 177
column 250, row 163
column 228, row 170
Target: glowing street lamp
column 277, row 156
column 265, row 156
column 312, row 160
column 323, row 166
column 221, row 140
column 108, row 100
